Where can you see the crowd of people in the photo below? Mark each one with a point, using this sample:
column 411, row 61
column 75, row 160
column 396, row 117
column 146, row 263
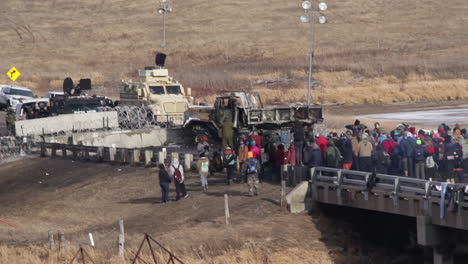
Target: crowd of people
column 440, row 154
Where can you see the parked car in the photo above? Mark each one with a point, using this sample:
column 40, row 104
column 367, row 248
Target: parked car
column 10, row 95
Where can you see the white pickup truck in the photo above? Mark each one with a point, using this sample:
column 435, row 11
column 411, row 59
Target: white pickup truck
column 11, row 95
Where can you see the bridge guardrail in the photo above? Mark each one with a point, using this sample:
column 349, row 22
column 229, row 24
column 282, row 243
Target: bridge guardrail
column 445, row 203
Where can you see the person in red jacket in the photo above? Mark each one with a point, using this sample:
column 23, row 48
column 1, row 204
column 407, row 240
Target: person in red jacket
column 255, row 150
column 280, row 159
column 322, row 142
column 389, row 146
column 291, row 155
column 258, row 139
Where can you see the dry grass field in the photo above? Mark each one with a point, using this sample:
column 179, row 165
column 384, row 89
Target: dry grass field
column 370, row 51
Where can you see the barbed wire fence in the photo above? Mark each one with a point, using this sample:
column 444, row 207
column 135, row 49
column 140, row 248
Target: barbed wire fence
column 141, row 117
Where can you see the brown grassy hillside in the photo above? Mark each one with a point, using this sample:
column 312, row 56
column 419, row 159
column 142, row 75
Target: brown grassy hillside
column 369, row 52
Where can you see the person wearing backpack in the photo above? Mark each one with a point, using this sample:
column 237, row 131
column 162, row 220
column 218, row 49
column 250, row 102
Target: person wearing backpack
column 420, row 155
column 333, row 156
column 453, row 154
column 431, row 165
column 203, row 166
column 251, row 169
column 407, row 145
column 229, row 163
column 177, row 172
column 164, row 182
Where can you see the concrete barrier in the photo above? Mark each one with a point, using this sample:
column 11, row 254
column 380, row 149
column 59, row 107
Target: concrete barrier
column 67, row 123
column 297, row 198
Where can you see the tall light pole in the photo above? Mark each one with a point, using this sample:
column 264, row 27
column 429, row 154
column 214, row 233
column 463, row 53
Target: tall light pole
column 310, row 17
column 164, row 8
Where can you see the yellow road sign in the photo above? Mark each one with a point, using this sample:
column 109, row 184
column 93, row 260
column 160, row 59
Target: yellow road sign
column 13, row 73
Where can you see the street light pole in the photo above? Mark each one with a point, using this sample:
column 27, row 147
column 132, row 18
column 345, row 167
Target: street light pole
column 308, row 18
column 164, row 9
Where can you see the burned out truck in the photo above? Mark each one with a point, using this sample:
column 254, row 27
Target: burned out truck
column 247, row 113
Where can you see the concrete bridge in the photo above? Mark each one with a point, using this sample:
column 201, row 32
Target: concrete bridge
column 439, row 209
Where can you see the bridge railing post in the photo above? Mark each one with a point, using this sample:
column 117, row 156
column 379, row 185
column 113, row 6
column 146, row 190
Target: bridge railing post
column 313, row 181
column 339, row 181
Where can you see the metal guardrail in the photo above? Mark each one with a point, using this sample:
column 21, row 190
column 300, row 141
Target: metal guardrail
column 388, row 184
column 385, row 193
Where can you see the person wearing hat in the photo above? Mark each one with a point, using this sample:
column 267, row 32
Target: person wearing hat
column 229, row 163
column 251, row 169
column 203, row 166
column 420, row 155
column 255, row 149
column 202, row 145
column 365, row 149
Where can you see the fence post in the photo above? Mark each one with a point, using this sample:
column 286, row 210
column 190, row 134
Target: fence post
column 51, row 240
column 148, row 157
column 53, row 152
column 43, row 149
column 188, row 161
column 112, row 152
column 100, row 154
column 91, row 239
column 64, row 151
column 161, row 157
column 283, row 190
column 61, row 239
column 75, row 153
column 226, row 208
column 121, row 240
column 136, row 156
column 86, row 153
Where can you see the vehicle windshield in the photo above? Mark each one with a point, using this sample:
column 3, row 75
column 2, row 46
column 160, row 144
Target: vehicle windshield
column 173, row 89
column 157, row 89
column 21, row 92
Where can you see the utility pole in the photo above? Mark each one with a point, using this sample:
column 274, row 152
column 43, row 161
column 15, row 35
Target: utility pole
column 164, row 9
column 309, row 17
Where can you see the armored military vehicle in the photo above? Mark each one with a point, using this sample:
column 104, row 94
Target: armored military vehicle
column 247, row 112
column 165, row 96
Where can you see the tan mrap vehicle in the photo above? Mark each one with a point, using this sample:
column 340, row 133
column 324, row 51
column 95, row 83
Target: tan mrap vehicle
column 165, row 96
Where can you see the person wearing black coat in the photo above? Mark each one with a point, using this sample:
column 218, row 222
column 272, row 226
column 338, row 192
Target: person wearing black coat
column 346, row 149
column 312, row 155
column 164, row 182
column 299, row 137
